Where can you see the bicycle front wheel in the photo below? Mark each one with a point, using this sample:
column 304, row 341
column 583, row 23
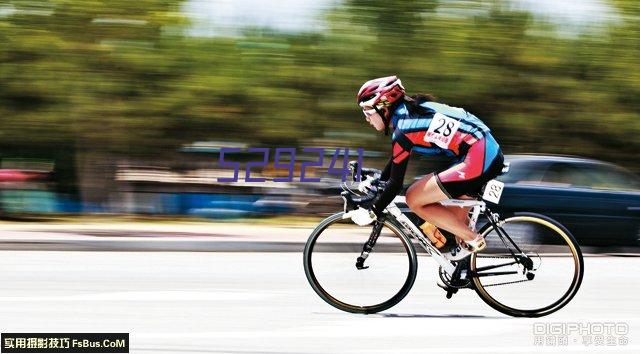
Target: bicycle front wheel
column 330, row 265
column 546, row 276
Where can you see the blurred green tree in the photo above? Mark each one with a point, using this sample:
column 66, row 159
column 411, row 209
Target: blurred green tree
column 95, row 82
column 76, row 78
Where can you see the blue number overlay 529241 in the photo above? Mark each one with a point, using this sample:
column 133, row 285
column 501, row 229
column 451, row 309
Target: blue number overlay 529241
column 284, row 160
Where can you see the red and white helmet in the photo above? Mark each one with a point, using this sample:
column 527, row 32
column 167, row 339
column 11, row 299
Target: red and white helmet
column 382, row 91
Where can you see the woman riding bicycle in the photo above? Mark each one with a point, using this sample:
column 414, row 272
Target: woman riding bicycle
column 430, row 128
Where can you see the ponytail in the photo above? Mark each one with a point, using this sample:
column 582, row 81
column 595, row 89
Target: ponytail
column 413, row 102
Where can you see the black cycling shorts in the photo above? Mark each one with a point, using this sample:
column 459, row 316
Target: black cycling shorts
column 469, row 175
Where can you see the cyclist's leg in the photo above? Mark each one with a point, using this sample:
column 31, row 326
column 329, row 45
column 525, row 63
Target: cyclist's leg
column 462, row 213
column 458, row 180
column 423, row 197
column 482, row 162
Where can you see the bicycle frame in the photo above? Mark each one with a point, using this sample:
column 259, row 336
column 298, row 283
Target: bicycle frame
column 477, row 206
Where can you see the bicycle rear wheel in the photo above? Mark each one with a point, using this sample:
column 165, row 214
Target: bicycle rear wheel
column 552, row 253
column 330, row 265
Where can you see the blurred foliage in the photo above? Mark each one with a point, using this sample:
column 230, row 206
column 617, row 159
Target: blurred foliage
column 124, row 79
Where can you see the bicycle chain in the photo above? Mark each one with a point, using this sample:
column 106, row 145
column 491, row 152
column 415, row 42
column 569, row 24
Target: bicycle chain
column 468, row 281
column 507, row 282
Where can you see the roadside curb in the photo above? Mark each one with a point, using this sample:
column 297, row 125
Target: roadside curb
column 214, row 244
column 191, row 238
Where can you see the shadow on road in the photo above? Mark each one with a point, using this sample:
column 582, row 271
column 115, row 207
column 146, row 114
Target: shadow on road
column 408, row 315
column 421, row 315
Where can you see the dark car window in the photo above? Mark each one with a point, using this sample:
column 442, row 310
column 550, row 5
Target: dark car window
column 524, row 172
column 564, row 174
column 590, row 175
column 578, row 174
column 611, row 177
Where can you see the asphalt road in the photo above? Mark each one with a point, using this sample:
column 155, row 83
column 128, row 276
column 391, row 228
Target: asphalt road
column 199, row 302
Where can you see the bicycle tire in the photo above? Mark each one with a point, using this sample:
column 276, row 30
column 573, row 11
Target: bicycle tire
column 573, row 288
column 355, row 308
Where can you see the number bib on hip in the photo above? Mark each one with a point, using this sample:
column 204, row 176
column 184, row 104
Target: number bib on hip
column 441, row 130
column 493, row 191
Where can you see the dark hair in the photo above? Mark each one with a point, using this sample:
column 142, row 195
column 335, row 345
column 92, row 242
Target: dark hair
column 413, row 102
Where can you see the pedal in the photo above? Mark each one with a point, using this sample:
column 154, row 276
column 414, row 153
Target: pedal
column 476, row 245
column 450, row 290
column 481, row 245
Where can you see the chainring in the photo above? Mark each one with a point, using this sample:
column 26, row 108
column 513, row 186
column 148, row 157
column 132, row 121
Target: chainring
column 446, row 279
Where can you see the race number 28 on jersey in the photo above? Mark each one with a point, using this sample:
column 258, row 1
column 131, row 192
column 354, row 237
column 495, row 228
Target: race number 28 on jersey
column 441, row 130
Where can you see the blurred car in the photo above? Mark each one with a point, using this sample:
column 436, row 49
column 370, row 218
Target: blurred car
column 9, row 175
column 598, row 202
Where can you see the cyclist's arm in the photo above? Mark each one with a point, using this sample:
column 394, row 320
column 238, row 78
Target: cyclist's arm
column 396, row 169
column 401, row 150
column 386, row 171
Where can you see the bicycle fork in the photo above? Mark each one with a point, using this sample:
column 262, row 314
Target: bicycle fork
column 369, row 245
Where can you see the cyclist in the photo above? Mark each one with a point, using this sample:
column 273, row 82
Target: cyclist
column 422, row 125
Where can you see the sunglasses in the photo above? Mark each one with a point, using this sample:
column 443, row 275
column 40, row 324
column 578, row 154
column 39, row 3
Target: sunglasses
column 368, row 112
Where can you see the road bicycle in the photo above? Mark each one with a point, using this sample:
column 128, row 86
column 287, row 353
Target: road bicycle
column 531, row 267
